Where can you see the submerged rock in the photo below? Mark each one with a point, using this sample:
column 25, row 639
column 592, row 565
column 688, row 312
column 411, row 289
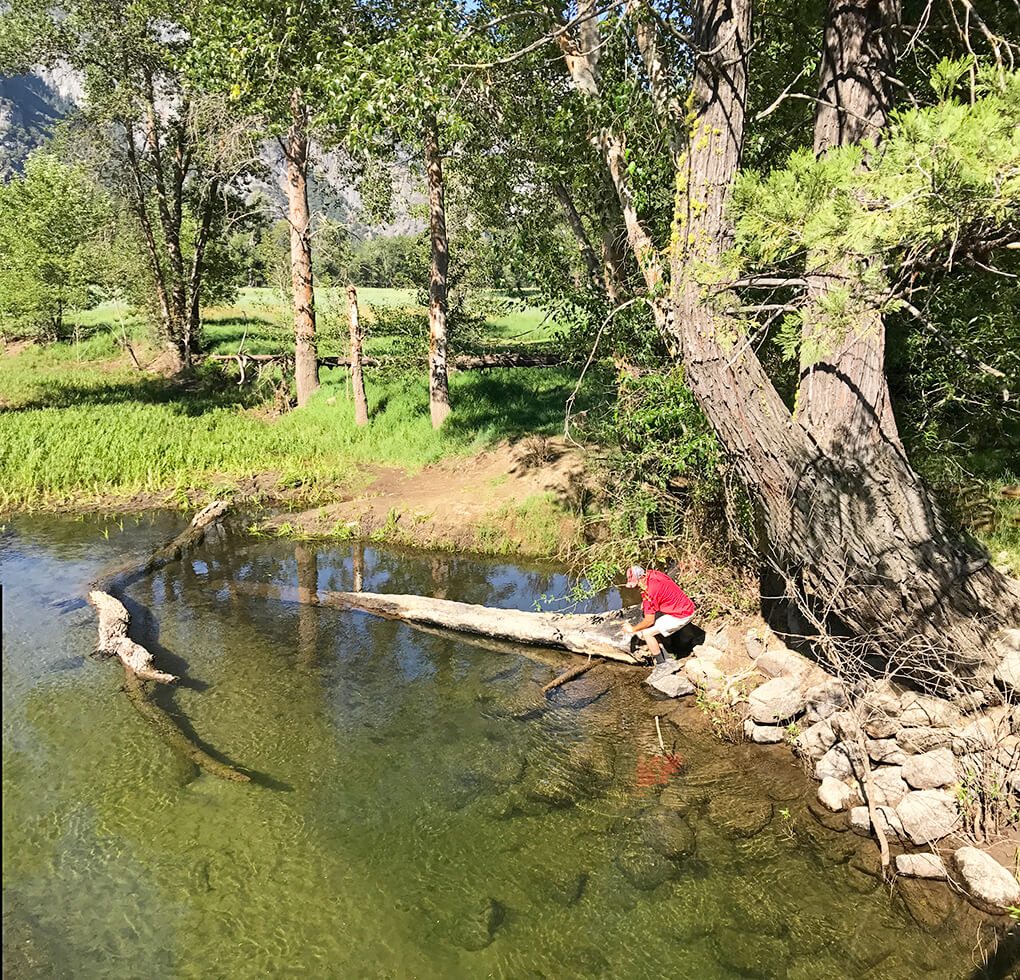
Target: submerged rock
column 644, row 868
column 667, row 833
column 920, row 866
column 478, row 928
column 985, row 882
column 740, row 817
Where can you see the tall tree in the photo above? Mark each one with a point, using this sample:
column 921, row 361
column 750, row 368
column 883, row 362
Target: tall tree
column 306, row 364
column 173, row 155
column 846, row 521
column 267, row 54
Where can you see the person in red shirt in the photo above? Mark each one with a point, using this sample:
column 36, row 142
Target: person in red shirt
column 666, row 606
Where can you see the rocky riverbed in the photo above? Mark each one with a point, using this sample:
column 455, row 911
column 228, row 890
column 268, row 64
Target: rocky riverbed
column 944, row 781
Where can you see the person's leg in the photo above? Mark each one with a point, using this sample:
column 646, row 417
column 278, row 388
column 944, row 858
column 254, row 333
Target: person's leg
column 664, row 626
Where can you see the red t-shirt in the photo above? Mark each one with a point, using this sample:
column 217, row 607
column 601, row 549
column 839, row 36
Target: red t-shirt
column 662, row 594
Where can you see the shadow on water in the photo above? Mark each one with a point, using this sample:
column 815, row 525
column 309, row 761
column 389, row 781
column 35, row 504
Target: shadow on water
column 1003, row 962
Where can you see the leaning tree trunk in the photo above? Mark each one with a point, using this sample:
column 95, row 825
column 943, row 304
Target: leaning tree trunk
column 855, row 537
column 306, row 366
column 844, row 396
column 439, row 385
column 357, row 376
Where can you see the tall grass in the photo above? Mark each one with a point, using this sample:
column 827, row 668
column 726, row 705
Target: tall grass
column 70, row 427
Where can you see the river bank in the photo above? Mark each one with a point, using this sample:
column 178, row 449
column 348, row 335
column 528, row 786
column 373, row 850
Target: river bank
column 388, row 764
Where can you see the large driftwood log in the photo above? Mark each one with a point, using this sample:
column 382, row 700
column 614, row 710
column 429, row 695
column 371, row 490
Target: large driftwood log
column 599, row 635
column 114, row 620
column 114, row 641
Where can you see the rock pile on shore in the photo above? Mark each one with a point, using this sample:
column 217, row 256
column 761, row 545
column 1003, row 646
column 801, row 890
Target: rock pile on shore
column 932, row 768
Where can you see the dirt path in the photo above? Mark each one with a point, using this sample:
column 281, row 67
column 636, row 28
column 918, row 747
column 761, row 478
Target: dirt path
column 520, row 499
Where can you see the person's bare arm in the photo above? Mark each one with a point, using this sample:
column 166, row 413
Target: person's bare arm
column 643, row 625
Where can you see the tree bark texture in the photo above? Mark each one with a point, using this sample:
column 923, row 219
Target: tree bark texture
column 439, row 385
column 856, row 537
column 306, row 366
column 357, row 376
column 844, row 396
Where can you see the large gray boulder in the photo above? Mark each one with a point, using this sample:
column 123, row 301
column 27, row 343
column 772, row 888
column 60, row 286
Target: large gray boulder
column 703, row 673
column 814, row 742
column 986, row 882
column 930, row 770
column 920, row 866
column 886, row 750
column 928, row 815
column 888, row 820
column 823, row 700
column 838, row 762
column 776, row 700
column 781, row 663
column 754, row 644
column 836, row 795
column 706, row 651
column 881, row 710
column 889, row 785
column 913, row 740
column 921, row 711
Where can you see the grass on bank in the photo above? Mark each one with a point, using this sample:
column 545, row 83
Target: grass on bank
column 75, row 422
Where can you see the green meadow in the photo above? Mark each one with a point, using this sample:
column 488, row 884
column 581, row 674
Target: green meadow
column 79, row 420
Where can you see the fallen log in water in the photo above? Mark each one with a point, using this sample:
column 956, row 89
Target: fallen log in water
column 191, row 537
column 114, row 641
column 599, row 635
column 114, row 620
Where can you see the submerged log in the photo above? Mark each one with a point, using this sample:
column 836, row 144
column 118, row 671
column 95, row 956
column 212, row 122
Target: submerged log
column 599, row 635
column 191, row 537
column 114, row 641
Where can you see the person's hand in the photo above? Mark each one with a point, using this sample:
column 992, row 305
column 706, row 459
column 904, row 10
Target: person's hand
column 627, row 628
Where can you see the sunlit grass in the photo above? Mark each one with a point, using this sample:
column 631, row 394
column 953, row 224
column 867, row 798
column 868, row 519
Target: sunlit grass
column 80, row 420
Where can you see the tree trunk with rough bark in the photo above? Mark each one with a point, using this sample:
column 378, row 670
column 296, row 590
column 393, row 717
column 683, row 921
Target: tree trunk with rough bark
column 306, row 366
column 855, row 535
column 844, row 396
column 357, row 376
column 439, row 385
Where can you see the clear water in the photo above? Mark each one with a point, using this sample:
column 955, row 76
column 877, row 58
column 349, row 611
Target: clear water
column 418, row 808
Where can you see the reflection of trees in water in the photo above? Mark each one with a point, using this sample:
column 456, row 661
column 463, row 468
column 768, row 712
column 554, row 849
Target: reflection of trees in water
column 308, row 601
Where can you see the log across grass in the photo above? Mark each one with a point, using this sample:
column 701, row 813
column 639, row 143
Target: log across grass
column 74, row 428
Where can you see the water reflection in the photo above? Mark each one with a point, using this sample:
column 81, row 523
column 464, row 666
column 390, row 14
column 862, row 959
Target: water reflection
column 425, row 810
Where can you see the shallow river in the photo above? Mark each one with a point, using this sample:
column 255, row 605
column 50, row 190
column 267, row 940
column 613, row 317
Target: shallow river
column 418, row 809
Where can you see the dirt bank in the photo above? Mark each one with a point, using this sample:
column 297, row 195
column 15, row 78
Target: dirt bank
column 523, row 499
